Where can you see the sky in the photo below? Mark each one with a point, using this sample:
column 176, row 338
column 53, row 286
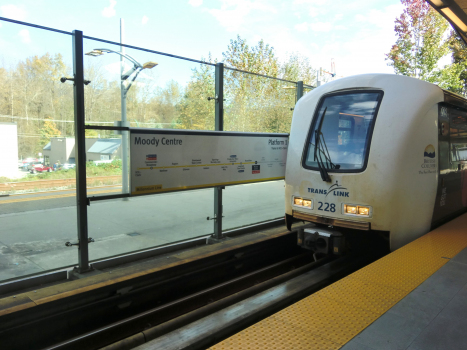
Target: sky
column 355, row 34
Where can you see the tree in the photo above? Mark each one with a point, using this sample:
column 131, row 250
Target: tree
column 298, row 68
column 252, row 101
column 48, row 130
column 164, row 105
column 421, row 42
column 32, row 95
column 459, row 59
column 30, row 91
column 195, row 110
column 259, row 59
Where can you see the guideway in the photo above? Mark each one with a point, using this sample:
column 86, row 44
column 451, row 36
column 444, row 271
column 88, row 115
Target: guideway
column 116, row 303
column 149, row 300
column 333, row 316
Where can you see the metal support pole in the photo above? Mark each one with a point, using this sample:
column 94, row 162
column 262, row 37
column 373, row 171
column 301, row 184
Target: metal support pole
column 220, row 97
column 80, row 152
column 219, row 127
column 125, row 184
column 299, row 90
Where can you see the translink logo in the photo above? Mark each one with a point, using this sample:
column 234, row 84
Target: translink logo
column 335, row 190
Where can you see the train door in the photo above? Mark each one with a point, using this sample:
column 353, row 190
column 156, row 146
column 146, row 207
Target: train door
column 451, row 197
column 458, row 147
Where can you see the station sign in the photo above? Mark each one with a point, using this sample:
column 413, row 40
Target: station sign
column 174, row 160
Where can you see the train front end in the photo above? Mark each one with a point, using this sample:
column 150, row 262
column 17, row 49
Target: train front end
column 349, row 155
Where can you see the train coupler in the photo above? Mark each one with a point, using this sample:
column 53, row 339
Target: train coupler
column 321, row 240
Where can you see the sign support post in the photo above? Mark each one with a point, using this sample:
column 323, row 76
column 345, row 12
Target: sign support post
column 81, row 196
column 219, row 79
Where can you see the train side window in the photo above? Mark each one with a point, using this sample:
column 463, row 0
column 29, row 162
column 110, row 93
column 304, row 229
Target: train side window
column 461, row 152
column 458, row 134
column 444, row 163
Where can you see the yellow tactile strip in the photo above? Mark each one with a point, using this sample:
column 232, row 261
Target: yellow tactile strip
column 331, row 317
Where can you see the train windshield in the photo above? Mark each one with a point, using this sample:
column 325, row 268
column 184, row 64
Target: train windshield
column 341, row 131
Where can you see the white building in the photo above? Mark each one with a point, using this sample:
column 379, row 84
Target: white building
column 8, row 150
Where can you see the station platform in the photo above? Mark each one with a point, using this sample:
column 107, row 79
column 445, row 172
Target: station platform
column 413, row 298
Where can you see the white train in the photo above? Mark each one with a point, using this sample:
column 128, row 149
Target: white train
column 376, row 152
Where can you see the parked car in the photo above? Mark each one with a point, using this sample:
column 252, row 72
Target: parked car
column 34, row 164
column 23, row 164
column 67, row 166
column 41, row 168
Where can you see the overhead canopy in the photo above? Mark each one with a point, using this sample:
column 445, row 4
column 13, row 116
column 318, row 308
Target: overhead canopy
column 455, row 11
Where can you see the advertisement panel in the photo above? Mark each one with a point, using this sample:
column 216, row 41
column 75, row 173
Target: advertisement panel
column 173, row 160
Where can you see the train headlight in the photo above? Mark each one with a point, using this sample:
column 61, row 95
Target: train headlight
column 356, row 210
column 298, row 201
column 363, row 211
column 302, row 202
column 350, row 209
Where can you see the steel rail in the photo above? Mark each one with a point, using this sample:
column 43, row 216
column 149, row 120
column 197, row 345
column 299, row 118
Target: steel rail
column 76, row 314
column 209, row 328
column 235, row 285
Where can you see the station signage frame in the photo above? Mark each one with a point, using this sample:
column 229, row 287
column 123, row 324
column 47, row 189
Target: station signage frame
column 163, row 160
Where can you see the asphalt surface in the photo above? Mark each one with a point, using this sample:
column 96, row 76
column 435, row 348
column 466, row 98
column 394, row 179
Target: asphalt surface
column 35, row 227
column 47, row 199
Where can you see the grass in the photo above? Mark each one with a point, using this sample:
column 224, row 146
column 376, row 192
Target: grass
column 106, row 169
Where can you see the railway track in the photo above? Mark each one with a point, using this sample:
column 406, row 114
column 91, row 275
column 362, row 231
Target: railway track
column 148, row 308
column 60, row 183
column 219, row 325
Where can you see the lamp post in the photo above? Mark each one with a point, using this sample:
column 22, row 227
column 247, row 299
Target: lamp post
column 133, row 73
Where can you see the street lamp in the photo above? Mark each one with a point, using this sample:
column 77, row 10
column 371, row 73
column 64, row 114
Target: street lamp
column 134, row 71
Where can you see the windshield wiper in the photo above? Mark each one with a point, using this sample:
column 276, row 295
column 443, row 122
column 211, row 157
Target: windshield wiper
column 320, row 145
